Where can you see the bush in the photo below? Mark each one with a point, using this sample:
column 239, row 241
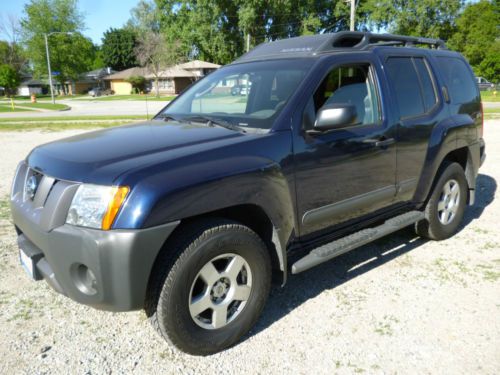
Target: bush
column 9, row 79
column 138, row 84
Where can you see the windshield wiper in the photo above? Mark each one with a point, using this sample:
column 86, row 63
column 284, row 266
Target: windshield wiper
column 212, row 121
column 166, row 117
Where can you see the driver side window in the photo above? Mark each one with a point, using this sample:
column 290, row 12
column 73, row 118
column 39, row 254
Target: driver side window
column 351, row 84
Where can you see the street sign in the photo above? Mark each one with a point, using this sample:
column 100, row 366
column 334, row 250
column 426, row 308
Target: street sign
column 56, row 73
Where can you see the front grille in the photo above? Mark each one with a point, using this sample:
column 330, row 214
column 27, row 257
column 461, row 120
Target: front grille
column 46, row 205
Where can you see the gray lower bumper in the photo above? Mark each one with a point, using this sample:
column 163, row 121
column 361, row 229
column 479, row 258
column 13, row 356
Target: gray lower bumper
column 120, row 261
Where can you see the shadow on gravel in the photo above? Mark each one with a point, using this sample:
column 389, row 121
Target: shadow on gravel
column 329, row 275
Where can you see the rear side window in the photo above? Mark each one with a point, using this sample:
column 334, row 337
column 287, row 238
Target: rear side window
column 458, row 79
column 427, row 85
column 405, row 81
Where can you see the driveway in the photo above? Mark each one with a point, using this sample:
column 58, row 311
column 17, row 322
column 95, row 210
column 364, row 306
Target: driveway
column 399, row 305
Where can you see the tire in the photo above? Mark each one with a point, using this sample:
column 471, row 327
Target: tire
column 178, row 285
column 442, row 223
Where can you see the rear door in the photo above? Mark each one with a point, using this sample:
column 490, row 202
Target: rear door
column 417, row 106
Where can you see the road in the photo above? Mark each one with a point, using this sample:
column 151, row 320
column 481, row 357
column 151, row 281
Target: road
column 96, row 107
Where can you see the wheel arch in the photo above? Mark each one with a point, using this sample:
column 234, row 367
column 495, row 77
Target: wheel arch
column 255, row 218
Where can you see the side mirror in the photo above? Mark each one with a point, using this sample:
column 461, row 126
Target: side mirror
column 335, row 116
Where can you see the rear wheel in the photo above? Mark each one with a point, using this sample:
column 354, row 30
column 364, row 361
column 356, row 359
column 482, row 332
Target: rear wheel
column 210, row 287
column 446, row 206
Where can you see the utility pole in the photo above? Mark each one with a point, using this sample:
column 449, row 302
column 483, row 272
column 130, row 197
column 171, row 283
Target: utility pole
column 353, row 14
column 248, row 42
column 48, row 67
column 46, row 36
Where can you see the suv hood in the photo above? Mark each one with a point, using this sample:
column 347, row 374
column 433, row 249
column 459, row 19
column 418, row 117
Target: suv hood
column 101, row 156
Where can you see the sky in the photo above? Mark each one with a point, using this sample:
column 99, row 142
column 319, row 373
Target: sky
column 99, row 15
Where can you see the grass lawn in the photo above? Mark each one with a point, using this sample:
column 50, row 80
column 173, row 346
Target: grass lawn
column 491, row 113
column 487, row 96
column 66, row 122
column 132, row 97
column 59, row 125
column 72, row 118
column 7, row 108
column 54, row 107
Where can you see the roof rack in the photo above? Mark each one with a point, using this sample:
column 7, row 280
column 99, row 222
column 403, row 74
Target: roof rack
column 362, row 40
column 311, row 45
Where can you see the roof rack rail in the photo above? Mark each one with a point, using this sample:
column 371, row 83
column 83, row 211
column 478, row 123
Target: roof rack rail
column 362, row 40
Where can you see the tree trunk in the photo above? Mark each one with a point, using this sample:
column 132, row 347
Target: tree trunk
column 157, row 87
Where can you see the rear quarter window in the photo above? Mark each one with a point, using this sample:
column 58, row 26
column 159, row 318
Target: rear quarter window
column 458, row 79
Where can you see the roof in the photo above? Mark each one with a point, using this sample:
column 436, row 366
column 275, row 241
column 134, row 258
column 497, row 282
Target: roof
column 198, row 64
column 127, row 73
column 99, row 73
column 32, row 82
column 173, row 72
column 313, row 45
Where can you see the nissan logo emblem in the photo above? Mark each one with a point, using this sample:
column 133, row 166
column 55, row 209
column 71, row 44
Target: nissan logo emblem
column 31, row 186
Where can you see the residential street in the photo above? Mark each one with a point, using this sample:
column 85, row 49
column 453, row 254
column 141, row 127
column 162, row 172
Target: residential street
column 97, row 108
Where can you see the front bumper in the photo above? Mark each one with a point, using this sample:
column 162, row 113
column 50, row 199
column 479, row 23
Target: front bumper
column 108, row 270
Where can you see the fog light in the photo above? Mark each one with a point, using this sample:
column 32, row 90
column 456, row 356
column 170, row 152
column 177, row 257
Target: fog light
column 84, row 279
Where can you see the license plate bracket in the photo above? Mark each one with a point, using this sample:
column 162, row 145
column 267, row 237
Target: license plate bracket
column 27, row 263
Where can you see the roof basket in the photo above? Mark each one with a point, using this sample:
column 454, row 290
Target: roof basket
column 361, row 40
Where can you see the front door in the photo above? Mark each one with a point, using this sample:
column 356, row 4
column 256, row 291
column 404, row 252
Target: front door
column 345, row 173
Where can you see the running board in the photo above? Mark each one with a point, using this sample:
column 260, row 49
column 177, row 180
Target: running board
column 333, row 249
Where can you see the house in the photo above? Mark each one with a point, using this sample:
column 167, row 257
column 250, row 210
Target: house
column 199, row 68
column 85, row 82
column 118, row 81
column 172, row 80
column 175, row 79
column 30, row 86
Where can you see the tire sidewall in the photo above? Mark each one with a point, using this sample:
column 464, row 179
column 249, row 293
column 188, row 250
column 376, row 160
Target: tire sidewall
column 439, row 230
column 174, row 313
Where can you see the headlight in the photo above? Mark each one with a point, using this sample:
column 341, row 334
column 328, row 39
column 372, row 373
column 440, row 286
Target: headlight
column 96, row 206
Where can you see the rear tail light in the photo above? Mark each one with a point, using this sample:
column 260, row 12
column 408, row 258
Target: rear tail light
column 481, row 131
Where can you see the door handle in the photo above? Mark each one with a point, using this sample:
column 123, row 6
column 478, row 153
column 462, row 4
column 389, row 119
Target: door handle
column 380, row 142
column 385, row 142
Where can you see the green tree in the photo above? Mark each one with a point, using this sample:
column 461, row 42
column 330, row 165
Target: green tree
column 427, row 18
column 118, row 48
column 9, row 78
column 477, row 37
column 11, row 51
column 138, row 84
column 218, row 30
column 70, row 52
column 490, row 66
column 155, row 53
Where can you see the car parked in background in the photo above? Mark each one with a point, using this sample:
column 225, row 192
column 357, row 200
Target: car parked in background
column 240, row 89
column 97, row 91
column 484, row 84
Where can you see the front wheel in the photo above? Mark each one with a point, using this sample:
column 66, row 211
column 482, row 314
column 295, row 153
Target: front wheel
column 446, row 206
column 209, row 289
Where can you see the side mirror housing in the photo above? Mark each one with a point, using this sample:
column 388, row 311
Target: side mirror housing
column 335, row 116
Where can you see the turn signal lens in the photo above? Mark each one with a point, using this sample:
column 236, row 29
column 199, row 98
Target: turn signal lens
column 118, row 195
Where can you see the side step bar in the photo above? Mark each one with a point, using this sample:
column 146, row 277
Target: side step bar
column 333, row 249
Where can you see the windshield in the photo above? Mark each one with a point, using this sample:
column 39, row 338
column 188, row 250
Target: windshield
column 245, row 95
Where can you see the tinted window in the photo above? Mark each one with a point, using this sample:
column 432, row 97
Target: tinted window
column 403, row 75
column 352, row 85
column 458, row 79
column 248, row 95
column 427, row 84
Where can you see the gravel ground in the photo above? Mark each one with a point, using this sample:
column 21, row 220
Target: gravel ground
column 399, row 305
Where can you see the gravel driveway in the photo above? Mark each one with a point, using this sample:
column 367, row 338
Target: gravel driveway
column 399, row 305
